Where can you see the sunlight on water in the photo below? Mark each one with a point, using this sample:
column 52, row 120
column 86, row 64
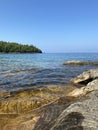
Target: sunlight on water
column 26, row 70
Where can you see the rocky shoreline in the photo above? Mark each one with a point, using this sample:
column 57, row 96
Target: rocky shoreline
column 53, row 107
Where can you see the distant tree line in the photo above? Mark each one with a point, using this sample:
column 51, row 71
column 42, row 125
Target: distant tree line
column 11, row 47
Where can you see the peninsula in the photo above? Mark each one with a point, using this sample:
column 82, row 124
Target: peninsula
column 13, row 47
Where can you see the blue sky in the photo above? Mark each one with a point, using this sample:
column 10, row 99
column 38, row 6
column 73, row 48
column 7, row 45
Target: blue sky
column 51, row 25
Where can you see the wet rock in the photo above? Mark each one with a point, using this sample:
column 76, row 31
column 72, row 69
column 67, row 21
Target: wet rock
column 4, row 94
column 54, row 108
column 77, row 92
column 26, row 100
column 31, row 106
column 77, row 62
column 5, row 118
column 42, row 118
column 85, row 77
column 76, row 114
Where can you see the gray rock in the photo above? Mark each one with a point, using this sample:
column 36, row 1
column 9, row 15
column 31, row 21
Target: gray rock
column 91, row 86
column 81, row 115
column 86, row 77
column 77, row 62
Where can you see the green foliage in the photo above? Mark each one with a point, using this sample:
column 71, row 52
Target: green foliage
column 11, row 47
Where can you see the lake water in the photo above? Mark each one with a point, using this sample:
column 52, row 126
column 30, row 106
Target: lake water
column 23, row 71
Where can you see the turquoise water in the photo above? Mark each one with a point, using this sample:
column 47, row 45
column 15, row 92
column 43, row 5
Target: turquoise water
column 21, row 71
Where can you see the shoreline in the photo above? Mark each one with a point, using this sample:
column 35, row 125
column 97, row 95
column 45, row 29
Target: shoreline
column 24, row 109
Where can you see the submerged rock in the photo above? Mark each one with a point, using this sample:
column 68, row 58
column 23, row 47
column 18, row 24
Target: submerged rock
column 29, row 104
column 42, row 118
column 4, row 94
column 54, row 108
column 63, row 114
column 77, row 62
column 26, row 100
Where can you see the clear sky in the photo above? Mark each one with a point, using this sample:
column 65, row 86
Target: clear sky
column 51, row 25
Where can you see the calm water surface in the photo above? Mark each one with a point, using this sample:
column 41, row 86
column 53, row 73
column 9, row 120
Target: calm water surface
column 22, row 71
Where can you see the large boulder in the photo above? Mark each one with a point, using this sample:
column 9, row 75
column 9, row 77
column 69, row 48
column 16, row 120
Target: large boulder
column 81, row 115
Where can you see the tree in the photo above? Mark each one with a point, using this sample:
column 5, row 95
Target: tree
column 11, row 47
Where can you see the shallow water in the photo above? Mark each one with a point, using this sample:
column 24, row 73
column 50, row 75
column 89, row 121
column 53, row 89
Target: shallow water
column 23, row 71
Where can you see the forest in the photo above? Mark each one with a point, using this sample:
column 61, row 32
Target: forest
column 13, row 47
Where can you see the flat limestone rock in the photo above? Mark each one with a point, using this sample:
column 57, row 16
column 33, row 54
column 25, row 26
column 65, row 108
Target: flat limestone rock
column 80, row 114
column 21, row 104
column 26, row 100
column 85, row 77
column 77, row 62
column 54, row 108
column 91, row 86
column 77, row 92
column 90, row 81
